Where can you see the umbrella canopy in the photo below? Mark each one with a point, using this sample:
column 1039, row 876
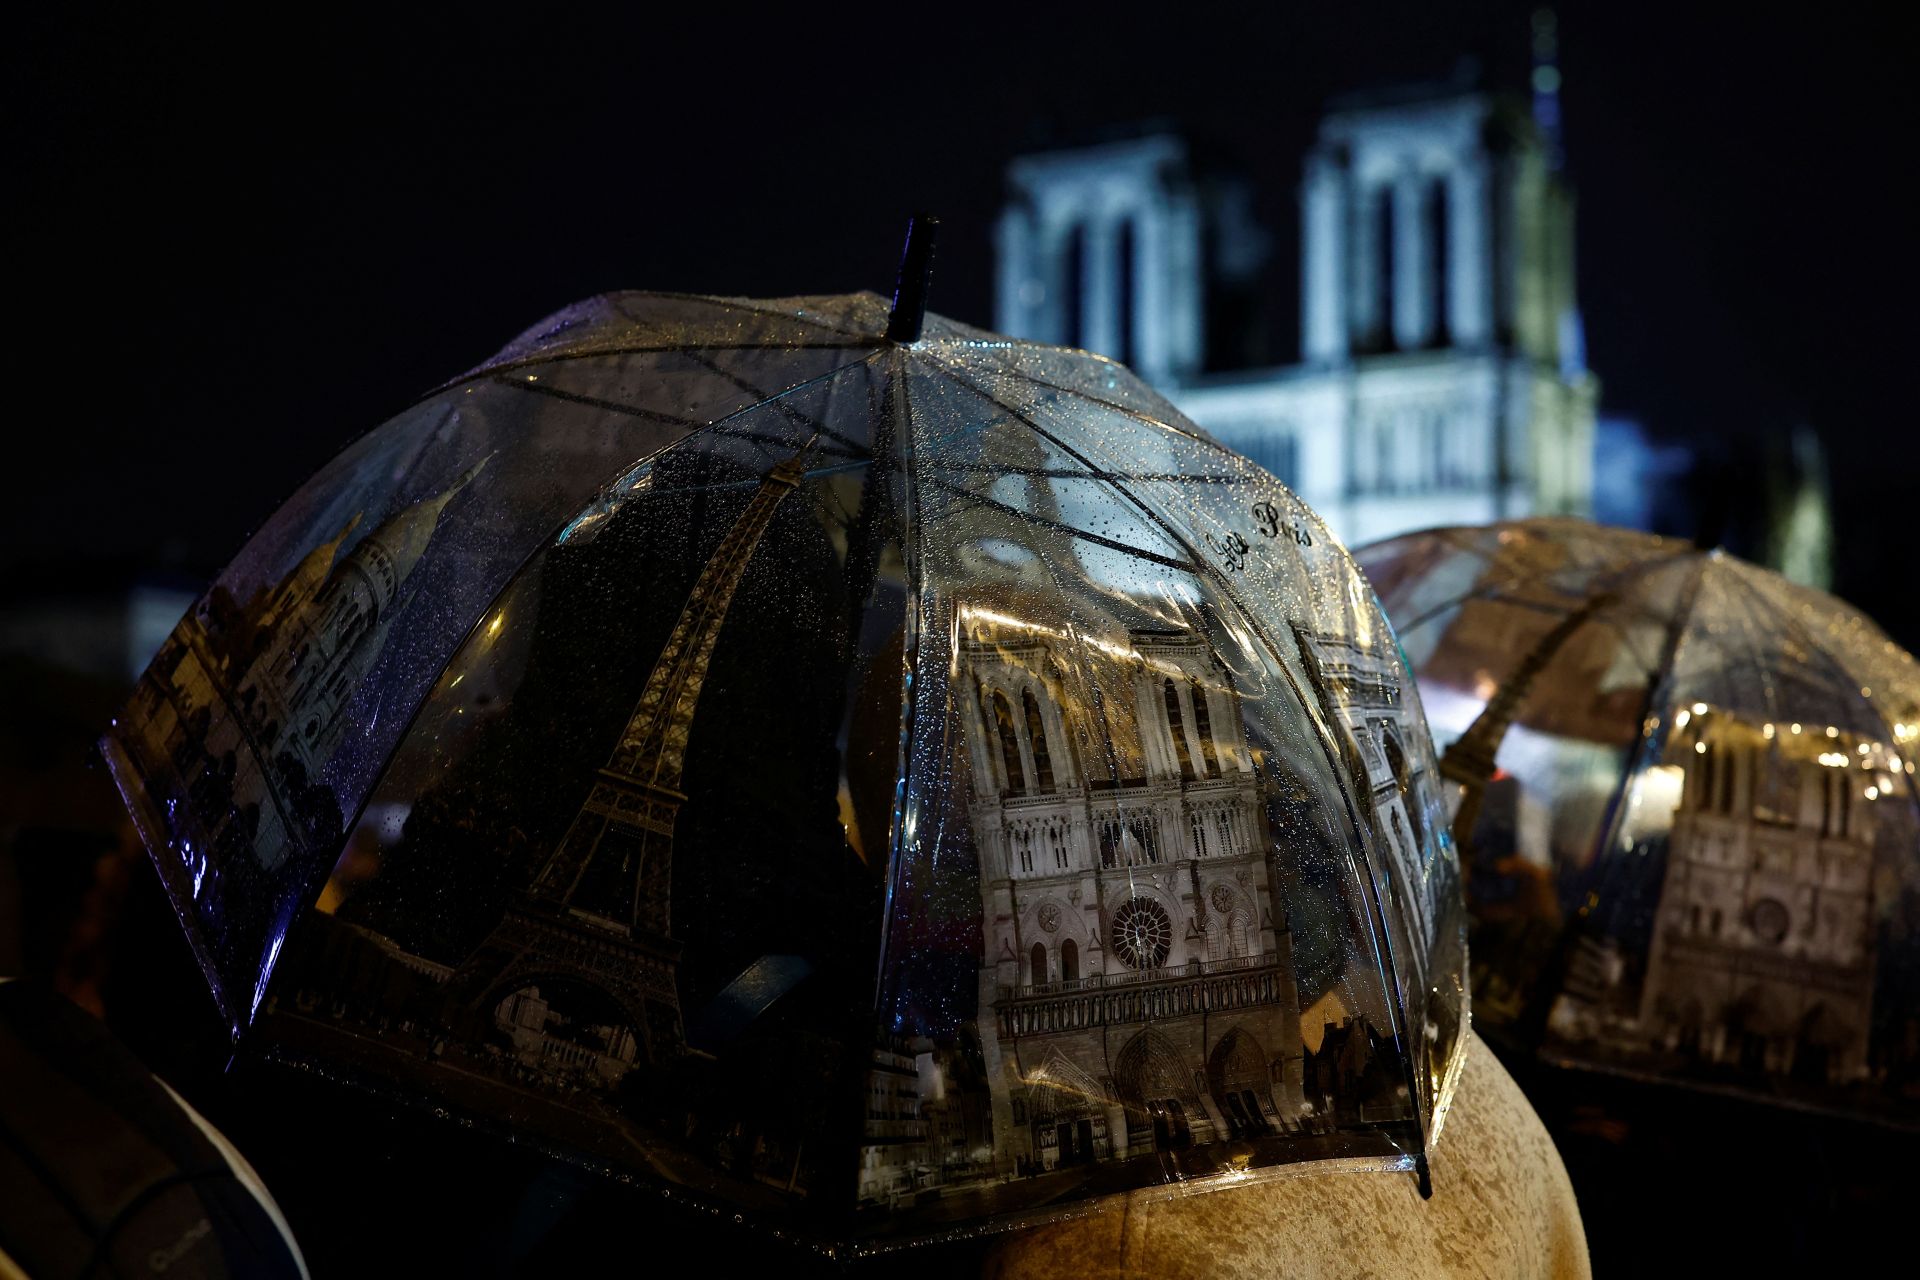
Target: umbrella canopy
column 1694, row 849
column 856, row 769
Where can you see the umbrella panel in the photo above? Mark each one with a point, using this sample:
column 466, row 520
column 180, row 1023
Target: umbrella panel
column 1125, row 924
column 1696, row 860
column 875, row 848
column 1202, row 534
column 351, row 599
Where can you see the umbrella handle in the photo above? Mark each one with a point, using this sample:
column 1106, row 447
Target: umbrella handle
column 910, row 285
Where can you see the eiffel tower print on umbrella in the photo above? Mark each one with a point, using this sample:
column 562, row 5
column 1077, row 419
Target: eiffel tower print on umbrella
column 600, row 907
column 848, row 769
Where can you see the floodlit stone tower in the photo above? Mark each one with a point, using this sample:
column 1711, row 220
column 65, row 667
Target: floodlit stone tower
column 1443, row 374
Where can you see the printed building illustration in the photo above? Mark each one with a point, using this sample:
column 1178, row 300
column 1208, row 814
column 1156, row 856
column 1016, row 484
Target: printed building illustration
column 285, row 664
column 1763, row 943
column 571, row 975
column 1379, row 721
column 1762, row 950
column 1137, row 990
column 1442, row 375
column 894, row 1153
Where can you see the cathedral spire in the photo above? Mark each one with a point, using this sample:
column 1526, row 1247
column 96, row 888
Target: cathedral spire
column 1545, row 84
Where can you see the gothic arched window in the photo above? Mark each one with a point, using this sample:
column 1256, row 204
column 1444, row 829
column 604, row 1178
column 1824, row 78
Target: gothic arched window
column 1403, row 781
column 1203, row 725
column 1439, row 234
column 1142, row 933
column 1073, row 288
column 1069, row 961
column 1039, row 963
column 1037, row 735
column 1178, row 729
column 1009, row 744
column 1387, row 266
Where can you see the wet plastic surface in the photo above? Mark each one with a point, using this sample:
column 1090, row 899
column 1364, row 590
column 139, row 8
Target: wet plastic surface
column 879, row 790
column 1697, row 860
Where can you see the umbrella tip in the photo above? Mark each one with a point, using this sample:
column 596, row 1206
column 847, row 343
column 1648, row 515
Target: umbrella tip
column 916, row 274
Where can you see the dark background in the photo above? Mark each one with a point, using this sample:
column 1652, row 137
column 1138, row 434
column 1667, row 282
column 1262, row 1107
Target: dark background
column 234, row 245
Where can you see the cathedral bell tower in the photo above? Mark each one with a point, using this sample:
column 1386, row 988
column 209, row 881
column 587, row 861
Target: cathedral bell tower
column 1101, row 248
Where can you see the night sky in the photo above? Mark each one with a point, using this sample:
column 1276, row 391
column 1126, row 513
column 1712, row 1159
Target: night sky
column 232, row 247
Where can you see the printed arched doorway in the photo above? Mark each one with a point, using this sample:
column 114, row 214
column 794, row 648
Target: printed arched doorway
column 1066, row 1110
column 1239, row 1077
column 1156, row 1086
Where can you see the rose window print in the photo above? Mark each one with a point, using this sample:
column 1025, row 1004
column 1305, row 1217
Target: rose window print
column 1049, row 917
column 1770, row 920
column 1142, row 933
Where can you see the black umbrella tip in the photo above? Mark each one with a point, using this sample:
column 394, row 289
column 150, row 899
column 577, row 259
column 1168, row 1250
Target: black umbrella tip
column 916, row 275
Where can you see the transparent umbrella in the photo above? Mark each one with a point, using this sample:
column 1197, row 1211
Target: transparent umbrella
column 838, row 765
column 1694, row 848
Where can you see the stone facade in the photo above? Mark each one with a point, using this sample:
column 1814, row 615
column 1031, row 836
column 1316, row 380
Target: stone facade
column 1763, row 952
column 1442, row 376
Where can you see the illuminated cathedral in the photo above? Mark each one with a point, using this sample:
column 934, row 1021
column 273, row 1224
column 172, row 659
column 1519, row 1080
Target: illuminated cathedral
column 1442, row 373
column 1763, row 945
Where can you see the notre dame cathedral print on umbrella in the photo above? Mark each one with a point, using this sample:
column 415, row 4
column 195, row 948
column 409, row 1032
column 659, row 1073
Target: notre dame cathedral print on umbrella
column 830, row 764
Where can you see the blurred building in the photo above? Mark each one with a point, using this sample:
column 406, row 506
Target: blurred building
column 1799, row 527
column 1639, row 482
column 1761, row 900
column 1442, row 375
column 94, row 622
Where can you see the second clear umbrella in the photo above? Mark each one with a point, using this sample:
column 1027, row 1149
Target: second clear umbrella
column 1694, row 848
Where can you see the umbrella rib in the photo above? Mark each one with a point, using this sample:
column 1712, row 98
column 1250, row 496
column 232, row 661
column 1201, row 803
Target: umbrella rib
column 792, row 414
column 981, row 499
column 1826, row 657
column 597, row 402
column 731, row 304
column 1154, row 518
column 1068, row 473
column 811, row 473
column 1491, row 592
column 1094, row 472
column 775, row 399
column 620, row 349
column 1195, row 436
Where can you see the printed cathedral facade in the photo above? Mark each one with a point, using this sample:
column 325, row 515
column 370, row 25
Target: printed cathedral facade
column 1137, row 990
